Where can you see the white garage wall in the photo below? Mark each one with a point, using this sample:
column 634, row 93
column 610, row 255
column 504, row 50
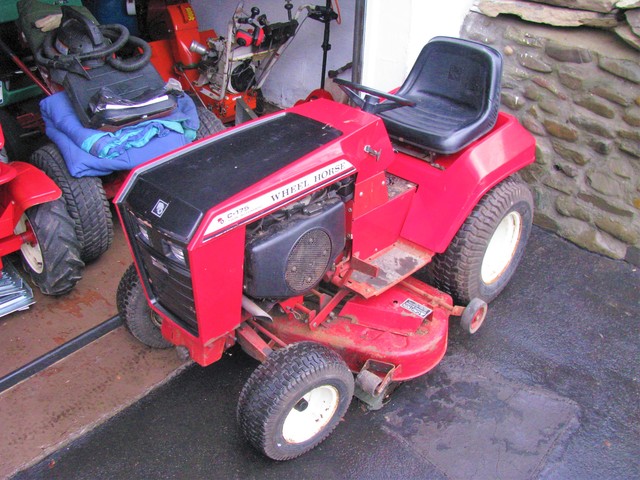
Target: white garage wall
column 396, row 31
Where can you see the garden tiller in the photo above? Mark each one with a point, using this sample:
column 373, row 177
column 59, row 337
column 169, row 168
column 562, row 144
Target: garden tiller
column 34, row 222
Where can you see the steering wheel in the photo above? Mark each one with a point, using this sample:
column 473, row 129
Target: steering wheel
column 370, row 103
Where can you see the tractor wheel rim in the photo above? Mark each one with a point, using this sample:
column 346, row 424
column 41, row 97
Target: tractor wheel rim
column 310, row 414
column 478, row 319
column 502, row 247
column 32, row 254
column 155, row 319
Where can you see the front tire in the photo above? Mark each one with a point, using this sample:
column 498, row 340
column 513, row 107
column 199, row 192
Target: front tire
column 485, row 252
column 86, row 202
column 140, row 320
column 294, row 400
column 53, row 261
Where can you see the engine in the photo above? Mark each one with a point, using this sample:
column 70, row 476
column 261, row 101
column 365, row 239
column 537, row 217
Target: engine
column 288, row 252
column 185, row 218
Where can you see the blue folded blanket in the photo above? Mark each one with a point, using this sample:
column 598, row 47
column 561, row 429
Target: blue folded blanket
column 89, row 152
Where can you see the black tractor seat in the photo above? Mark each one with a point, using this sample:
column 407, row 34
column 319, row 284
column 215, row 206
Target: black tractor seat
column 455, row 85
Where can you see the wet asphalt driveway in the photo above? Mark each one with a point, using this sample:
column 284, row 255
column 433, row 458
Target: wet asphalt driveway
column 548, row 388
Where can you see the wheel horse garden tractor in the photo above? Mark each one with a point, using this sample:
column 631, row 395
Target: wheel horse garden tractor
column 298, row 235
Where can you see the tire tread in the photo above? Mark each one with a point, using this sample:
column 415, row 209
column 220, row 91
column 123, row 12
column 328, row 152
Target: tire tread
column 60, row 248
column 209, row 123
column 86, row 202
column 450, row 271
column 267, row 387
column 134, row 310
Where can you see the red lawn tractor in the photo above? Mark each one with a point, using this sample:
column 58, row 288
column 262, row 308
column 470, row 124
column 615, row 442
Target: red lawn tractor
column 35, row 222
column 329, row 240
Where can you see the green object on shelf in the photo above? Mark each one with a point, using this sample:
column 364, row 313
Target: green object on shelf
column 9, row 97
column 9, row 9
column 31, row 10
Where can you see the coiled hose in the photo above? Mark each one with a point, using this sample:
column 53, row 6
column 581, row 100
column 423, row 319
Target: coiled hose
column 118, row 36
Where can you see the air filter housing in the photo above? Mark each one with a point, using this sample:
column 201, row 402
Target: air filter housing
column 290, row 257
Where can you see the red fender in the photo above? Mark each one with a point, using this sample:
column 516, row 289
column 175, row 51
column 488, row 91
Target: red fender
column 22, row 186
column 315, row 95
column 28, row 188
column 446, row 197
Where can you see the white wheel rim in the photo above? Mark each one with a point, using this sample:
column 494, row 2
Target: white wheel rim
column 310, row 414
column 502, row 247
column 32, row 254
column 155, row 319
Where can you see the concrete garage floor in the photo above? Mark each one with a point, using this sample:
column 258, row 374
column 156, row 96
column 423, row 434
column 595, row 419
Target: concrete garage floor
column 548, row 388
column 65, row 400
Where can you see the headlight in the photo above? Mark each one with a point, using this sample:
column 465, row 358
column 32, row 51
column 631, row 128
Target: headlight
column 175, row 252
column 143, row 230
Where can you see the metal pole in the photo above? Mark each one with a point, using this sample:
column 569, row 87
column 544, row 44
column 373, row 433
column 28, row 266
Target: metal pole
column 326, row 46
column 358, row 40
column 58, row 353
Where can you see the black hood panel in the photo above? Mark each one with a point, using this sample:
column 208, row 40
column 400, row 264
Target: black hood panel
column 175, row 194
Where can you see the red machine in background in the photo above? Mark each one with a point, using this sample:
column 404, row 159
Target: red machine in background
column 34, row 221
column 219, row 69
column 110, row 83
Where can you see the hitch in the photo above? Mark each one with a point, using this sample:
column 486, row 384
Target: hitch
column 374, row 383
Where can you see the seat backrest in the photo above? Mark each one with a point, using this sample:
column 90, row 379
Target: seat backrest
column 457, row 70
column 455, row 85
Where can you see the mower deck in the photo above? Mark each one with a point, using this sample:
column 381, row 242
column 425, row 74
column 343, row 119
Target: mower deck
column 405, row 326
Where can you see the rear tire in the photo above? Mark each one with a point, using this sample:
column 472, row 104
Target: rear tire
column 294, row 400
column 134, row 310
column 209, row 123
column 86, row 202
column 53, row 262
column 484, row 254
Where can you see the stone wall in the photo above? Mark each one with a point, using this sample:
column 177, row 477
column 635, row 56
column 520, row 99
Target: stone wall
column 578, row 91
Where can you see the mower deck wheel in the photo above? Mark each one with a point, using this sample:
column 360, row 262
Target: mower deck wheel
column 85, row 199
column 209, row 123
column 473, row 315
column 53, row 260
column 294, row 400
column 141, row 321
column 484, row 254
